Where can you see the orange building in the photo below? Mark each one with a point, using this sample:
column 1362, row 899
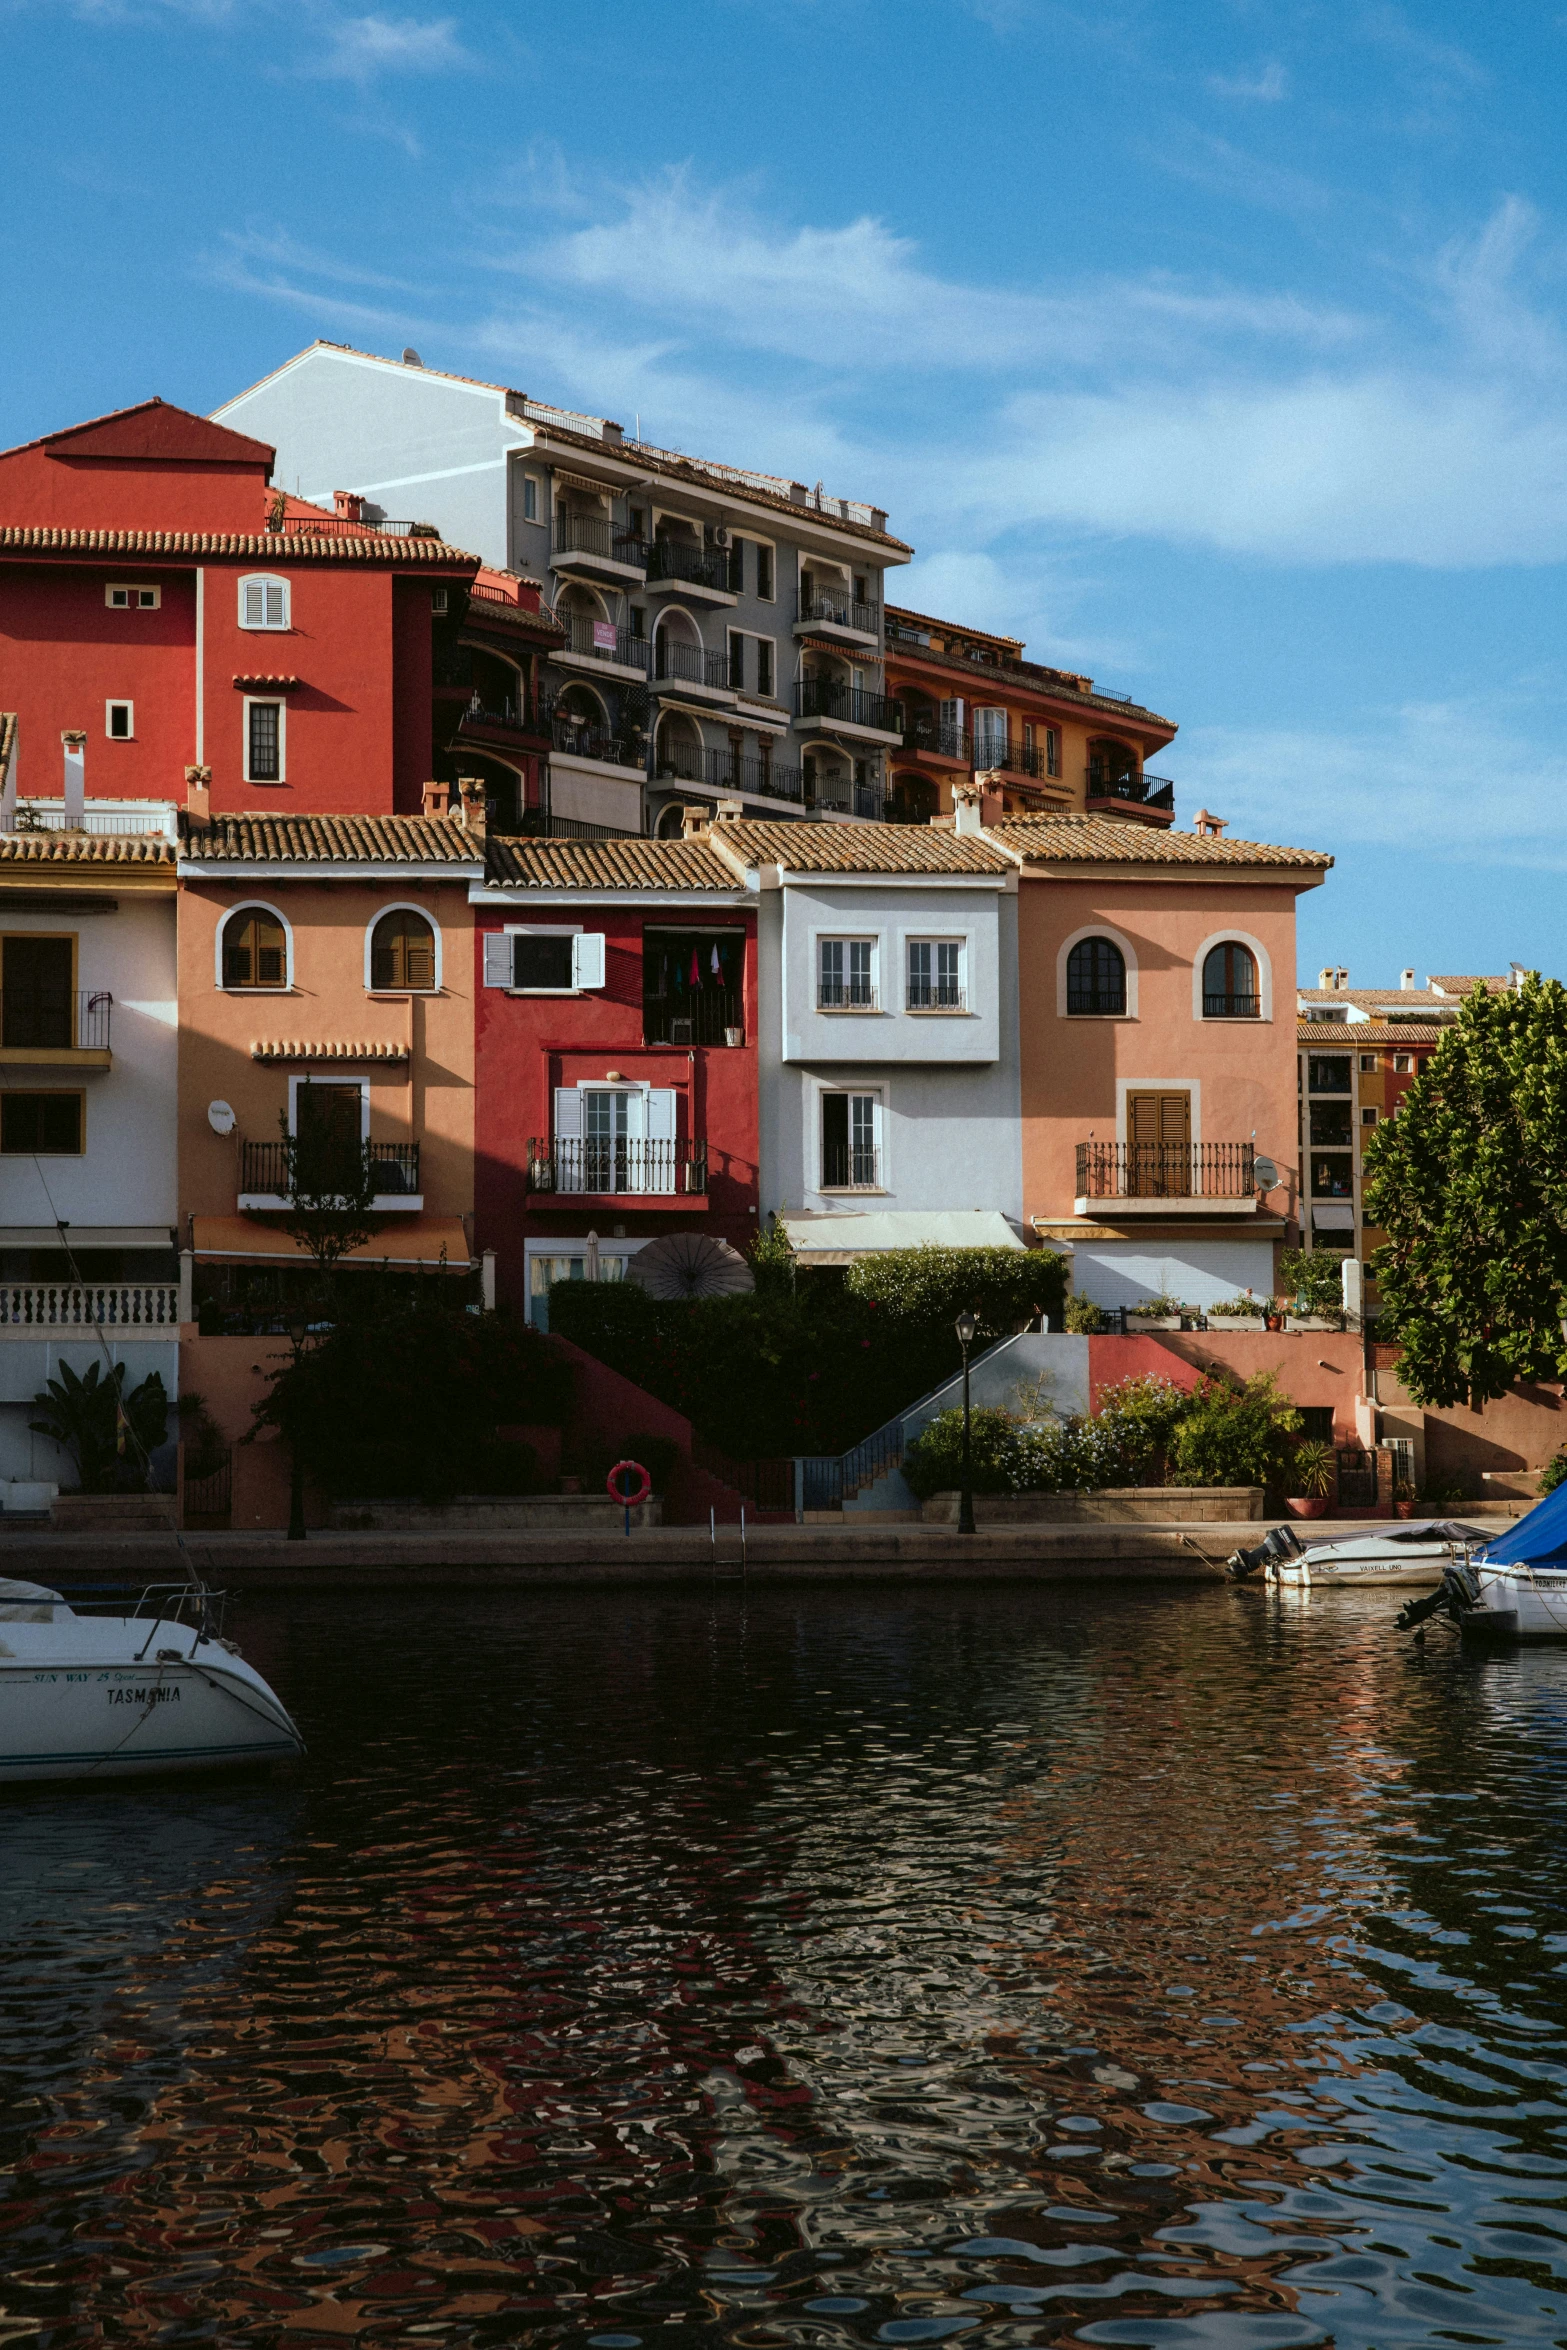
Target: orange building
column 1041, row 740
column 1158, row 1054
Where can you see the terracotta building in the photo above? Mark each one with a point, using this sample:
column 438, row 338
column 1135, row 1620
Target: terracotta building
column 1042, row 741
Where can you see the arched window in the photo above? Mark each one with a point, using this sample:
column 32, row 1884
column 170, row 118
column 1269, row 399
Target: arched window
column 255, row 950
column 1229, row 983
column 263, row 601
column 1096, row 977
column 402, row 951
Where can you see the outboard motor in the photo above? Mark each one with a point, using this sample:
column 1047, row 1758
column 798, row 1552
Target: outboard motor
column 1454, row 1596
column 1280, row 1544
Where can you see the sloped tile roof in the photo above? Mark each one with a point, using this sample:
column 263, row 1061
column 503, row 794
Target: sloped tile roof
column 1452, row 984
column 1102, row 840
column 276, row 545
column 85, row 848
column 287, row 1048
column 1347, row 1035
column 263, row 838
column 857, row 848
column 607, row 864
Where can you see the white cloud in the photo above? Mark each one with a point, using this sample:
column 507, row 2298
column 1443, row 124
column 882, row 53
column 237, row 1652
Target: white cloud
column 359, row 48
column 1267, row 86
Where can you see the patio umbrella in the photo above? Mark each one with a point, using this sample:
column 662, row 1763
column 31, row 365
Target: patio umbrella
column 590, row 1268
column 690, row 1264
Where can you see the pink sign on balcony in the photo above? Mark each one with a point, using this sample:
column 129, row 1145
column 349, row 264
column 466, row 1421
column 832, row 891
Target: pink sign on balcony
column 603, row 636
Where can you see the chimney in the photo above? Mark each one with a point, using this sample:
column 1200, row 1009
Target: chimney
column 1208, row 827
column 1406, row 979
column 75, row 742
column 471, row 814
column 729, row 811
column 1517, row 976
column 437, row 799
column 695, row 823
column 198, row 796
column 968, row 808
column 1341, row 979
column 1325, row 978
column 348, row 505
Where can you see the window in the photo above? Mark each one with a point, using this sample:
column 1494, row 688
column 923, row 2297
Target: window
column 850, row 1156
column 1369, row 1117
column 530, row 497
column 1096, row 977
column 935, row 975
column 263, row 603
column 119, row 721
column 1229, row 983
column 847, row 980
column 1028, row 738
column 1330, row 1123
column 133, row 599
column 544, row 962
column 764, row 573
column 692, row 986
column 1403, row 1064
column 440, row 602
column 616, row 1139
column 255, row 949
column 402, row 952
column 736, row 663
column 45, row 1125
column 1328, row 1072
column 263, row 742
column 764, row 666
column 1052, row 750
column 37, row 977
column 990, row 739
column 1332, row 1176
column 1368, row 1064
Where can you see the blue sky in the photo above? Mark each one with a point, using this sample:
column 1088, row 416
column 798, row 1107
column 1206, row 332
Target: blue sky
column 1216, row 347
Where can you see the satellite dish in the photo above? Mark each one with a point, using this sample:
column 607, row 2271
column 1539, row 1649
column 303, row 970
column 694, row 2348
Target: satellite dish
column 220, row 1117
column 690, row 1264
column 1265, row 1174
column 411, row 357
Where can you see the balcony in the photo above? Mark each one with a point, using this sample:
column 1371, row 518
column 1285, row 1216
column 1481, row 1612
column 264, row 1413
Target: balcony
column 620, row 1168
column 702, row 1015
column 705, row 571
column 1122, row 1179
column 851, row 707
column 836, row 795
column 591, row 544
column 505, row 721
column 763, row 779
column 693, row 665
column 994, row 755
column 1116, row 791
column 600, row 644
column 585, row 741
column 59, row 1028
column 933, row 739
column 109, row 1305
column 263, row 1178
column 540, row 824
column 840, row 614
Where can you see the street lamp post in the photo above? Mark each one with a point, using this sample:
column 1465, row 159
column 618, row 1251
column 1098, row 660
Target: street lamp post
column 297, row 1328
column 967, row 1324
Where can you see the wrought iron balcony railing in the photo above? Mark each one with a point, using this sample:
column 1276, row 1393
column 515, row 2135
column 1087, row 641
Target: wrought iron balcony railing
column 842, row 610
column 850, row 1167
column 707, row 567
column 595, row 742
column 1165, row 1170
column 1153, row 791
column 694, row 663
column 1232, row 1007
column 727, row 771
column 826, row 697
column 702, row 1015
column 921, row 733
column 46, row 1019
column 619, row 1165
column 592, row 534
column 264, row 1169
column 601, row 640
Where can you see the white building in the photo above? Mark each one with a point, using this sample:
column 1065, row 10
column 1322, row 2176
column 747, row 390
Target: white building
column 88, row 1075
column 888, row 1062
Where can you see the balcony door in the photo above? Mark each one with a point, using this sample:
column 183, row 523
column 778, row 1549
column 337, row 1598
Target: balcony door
column 615, row 1138
column 1158, row 1145
column 35, row 992
column 329, row 1125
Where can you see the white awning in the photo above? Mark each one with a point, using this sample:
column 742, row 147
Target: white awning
column 838, row 1240
column 1333, row 1216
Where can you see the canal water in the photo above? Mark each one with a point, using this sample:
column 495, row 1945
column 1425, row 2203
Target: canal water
column 1179, row 1968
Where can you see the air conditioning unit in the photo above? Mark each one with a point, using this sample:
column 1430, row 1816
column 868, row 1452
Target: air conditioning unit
column 721, row 536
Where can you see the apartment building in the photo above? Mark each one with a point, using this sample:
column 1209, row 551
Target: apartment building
column 721, row 629
column 1360, row 1050
column 1042, row 741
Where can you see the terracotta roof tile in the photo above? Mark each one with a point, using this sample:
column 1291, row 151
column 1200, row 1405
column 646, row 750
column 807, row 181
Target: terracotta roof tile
column 85, row 848
column 1462, row 984
column 1099, row 840
column 857, row 848
column 264, row 838
column 306, row 547
column 287, row 1048
column 1345, row 1035
column 628, row 863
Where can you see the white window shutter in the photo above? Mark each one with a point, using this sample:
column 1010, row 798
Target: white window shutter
column 277, row 605
column 660, row 1138
column 499, row 962
column 587, row 959
column 568, row 1130
column 255, row 604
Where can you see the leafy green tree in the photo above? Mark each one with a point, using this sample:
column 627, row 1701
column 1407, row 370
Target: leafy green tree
column 109, row 1432
column 1314, row 1274
column 1469, row 1183
column 1234, row 1433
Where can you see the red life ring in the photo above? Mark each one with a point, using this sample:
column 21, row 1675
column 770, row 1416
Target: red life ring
column 618, row 1492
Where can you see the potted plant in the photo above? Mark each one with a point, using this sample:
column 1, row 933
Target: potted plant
column 1404, row 1498
column 1158, row 1313
column 1311, row 1478
column 1244, row 1312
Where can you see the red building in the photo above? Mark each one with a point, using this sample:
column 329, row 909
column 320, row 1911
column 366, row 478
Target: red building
column 615, row 1066
column 158, row 597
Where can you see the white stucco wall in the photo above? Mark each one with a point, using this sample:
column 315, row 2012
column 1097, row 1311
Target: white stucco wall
column 1198, row 1272
column 126, row 1174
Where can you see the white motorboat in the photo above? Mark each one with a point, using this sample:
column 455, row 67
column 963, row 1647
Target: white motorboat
column 1512, row 1586
column 1412, row 1550
column 149, row 1685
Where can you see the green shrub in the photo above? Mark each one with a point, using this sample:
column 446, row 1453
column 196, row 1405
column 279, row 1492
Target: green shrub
column 1084, row 1317
column 1005, row 1287
column 1233, row 1308
column 933, row 1463
column 1554, row 1471
column 772, row 1259
column 1311, row 1274
column 1233, row 1433
column 1311, row 1469
column 1142, row 1416
column 110, row 1433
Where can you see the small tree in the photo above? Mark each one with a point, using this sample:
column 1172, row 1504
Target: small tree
column 1469, row 1183
column 109, row 1432
column 330, row 1182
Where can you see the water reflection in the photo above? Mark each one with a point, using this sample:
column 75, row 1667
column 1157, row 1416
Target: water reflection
column 833, row 1971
